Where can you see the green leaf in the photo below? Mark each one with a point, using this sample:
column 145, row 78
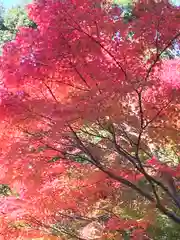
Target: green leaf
column 54, row 159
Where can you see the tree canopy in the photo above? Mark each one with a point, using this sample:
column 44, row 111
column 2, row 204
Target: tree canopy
column 90, row 122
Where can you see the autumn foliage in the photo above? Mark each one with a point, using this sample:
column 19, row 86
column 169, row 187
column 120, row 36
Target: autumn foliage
column 87, row 99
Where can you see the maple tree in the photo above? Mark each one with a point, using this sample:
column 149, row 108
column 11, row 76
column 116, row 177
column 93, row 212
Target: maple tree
column 87, row 98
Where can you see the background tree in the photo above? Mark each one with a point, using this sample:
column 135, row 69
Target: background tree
column 11, row 20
